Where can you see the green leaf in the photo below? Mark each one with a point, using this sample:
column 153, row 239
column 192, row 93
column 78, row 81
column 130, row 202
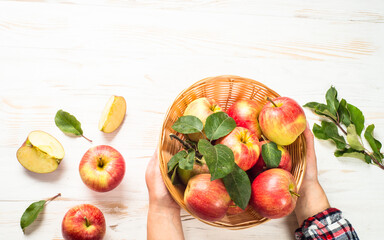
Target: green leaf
column 344, row 114
column 375, row 144
column 218, row 125
column 350, row 152
column 174, row 178
column 187, row 163
column 271, row 154
column 328, row 130
column 68, row 123
column 368, row 159
column 219, row 158
column 31, row 213
column 238, row 186
column 176, row 159
column 321, row 109
column 353, row 138
column 357, row 118
column 332, row 102
column 188, row 124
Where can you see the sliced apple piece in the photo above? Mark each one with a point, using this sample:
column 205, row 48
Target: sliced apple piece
column 40, row 153
column 113, row 114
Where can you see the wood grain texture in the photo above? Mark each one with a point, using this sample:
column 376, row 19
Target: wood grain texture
column 73, row 55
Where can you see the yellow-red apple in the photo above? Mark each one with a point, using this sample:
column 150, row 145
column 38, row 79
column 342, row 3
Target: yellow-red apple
column 201, row 108
column 83, row 222
column 208, row 200
column 246, row 114
column 244, row 145
column 102, row 168
column 274, row 193
column 282, row 121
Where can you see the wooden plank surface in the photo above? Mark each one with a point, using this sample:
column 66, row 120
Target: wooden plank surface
column 73, row 55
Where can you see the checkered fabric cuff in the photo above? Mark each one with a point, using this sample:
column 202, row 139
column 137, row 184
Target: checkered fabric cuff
column 328, row 224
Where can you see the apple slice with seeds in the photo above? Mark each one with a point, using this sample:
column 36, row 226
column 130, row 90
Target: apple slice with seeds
column 40, row 153
column 113, row 114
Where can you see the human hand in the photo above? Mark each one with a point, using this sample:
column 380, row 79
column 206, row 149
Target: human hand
column 312, row 198
column 159, row 196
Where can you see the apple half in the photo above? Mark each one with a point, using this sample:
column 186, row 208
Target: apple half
column 40, row 153
column 113, row 114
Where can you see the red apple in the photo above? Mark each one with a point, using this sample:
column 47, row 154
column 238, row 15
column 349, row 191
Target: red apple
column 246, row 114
column 208, row 200
column 285, row 162
column 282, row 121
column 102, row 168
column 244, row 145
column 234, row 209
column 83, row 222
column 274, row 193
column 201, row 108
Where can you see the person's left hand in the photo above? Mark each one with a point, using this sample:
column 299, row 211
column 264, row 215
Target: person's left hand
column 159, row 196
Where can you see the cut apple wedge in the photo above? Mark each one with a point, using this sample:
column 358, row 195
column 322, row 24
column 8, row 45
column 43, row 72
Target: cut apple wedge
column 113, row 114
column 40, row 153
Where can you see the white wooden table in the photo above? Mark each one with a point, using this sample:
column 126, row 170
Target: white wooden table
column 73, row 55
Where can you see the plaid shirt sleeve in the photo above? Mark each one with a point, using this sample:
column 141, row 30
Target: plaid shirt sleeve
column 328, row 224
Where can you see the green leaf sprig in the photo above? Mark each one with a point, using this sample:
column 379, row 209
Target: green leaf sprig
column 219, row 158
column 31, row 213
column 68, row 124
column 343, row 116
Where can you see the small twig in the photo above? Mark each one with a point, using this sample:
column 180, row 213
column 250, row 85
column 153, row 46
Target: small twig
column 270, row 100
column 53, row 198
column 89, row 140
column 186, row 145
column 374, row 159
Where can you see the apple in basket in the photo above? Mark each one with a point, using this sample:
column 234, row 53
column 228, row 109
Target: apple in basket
column 208, row 200
column 201, row 108
column 244, row 145
column 282, row 120
column 274, row 193
column 246, row 114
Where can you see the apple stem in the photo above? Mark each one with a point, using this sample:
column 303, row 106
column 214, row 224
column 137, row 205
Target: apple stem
column 89, row 140
column 274, row 104
column 294, row 193
column 262, row 136
column 53, row 198
column 87, row 223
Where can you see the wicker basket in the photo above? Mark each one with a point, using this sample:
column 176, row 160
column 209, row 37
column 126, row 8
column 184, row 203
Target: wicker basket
column 225, row 90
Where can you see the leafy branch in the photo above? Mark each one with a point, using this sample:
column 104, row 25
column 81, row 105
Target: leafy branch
column 338, row 114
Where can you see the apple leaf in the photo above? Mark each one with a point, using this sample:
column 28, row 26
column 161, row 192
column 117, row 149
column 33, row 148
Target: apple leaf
column 357, row 118
column 68, row 124
column 238, row 186
column 218, row 125
column 353, row 138
column 321, row 109
column 187, row 162
column 188, row 124
column 344, row 115
column 176, row 159
column 328, row 130
column 332, row 102
column 350, row 152
column 271, row 154
column 219, row 158
column 374, row 143
column 174, row 179
column 30, row 214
